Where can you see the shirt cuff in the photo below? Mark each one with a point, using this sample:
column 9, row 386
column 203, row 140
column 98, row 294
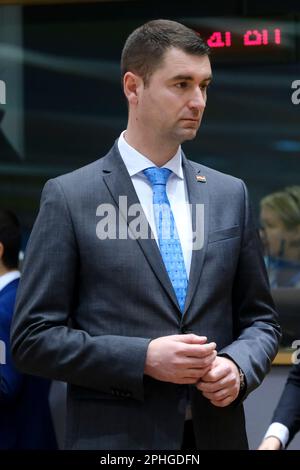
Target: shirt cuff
column 280, row 431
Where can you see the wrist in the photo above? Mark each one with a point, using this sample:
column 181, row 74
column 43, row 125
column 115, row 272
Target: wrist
column 149, row 361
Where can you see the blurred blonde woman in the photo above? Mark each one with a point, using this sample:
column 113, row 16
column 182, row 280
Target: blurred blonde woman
column 280, row 221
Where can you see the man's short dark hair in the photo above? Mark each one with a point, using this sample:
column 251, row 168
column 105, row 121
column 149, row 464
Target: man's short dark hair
column 146, row 46
column 10, row 237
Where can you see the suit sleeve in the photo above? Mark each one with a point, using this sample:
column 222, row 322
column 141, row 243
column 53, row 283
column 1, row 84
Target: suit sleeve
column 287, row 411
column 256, row 328
column 10, row 378
column 43, row 342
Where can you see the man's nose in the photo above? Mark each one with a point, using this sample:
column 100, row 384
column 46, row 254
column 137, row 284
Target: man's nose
column 198, row 100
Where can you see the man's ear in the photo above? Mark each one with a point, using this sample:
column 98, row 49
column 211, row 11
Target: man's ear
column 132, row 84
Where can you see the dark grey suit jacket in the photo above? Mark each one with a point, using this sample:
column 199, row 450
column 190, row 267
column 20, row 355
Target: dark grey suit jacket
column 88, row 308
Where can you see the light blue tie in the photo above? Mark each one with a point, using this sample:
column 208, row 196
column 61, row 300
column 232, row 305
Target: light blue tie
column 169, row 243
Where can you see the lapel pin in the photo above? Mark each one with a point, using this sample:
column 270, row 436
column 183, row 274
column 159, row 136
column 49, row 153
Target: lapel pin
column 200, row 178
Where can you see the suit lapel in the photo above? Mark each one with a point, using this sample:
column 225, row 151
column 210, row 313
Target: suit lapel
column 198, row 194
column 118, row 182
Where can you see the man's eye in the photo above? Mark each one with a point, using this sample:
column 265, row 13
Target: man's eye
column 181, row 85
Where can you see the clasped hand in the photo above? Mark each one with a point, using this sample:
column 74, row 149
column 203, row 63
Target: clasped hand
column 189, row 359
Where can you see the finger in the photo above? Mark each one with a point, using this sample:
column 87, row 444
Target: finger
column 191, row 338
column 189, row 376
column 217, row 373
column 198, row 351
column 201, row 388
column 219, row 395
column 193, row 373
column 211, row 387
column 199, row 363
column 203, row 371
column 206, row 361
column 222, row 403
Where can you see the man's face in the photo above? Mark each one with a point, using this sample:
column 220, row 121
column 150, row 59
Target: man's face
column 173, row 102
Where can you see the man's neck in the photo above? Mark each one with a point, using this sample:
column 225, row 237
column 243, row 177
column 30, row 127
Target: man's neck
column 4, row 270
column 158, row 152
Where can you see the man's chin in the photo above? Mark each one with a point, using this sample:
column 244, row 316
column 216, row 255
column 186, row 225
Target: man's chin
column 188, row 133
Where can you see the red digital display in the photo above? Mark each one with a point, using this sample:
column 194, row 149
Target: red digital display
column 250, row 38
column 245, row 40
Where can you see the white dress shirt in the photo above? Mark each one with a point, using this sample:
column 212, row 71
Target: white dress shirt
column 176, row 189
column 7, row 278
column 280, row 431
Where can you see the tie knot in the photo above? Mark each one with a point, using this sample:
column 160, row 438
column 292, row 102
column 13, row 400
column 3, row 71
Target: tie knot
column 157, row 175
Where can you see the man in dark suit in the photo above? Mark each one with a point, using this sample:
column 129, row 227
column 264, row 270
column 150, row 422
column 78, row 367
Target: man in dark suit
column 152, row 312
column 286, row 418
column 25, row 420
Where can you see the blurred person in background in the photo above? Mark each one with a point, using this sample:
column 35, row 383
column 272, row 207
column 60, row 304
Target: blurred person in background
column 280, row 233
column 25, row 419
column 280, row 221
column 286, row 418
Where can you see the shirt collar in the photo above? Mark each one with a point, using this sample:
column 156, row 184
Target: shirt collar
column 7, row 278
column 135, row 162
